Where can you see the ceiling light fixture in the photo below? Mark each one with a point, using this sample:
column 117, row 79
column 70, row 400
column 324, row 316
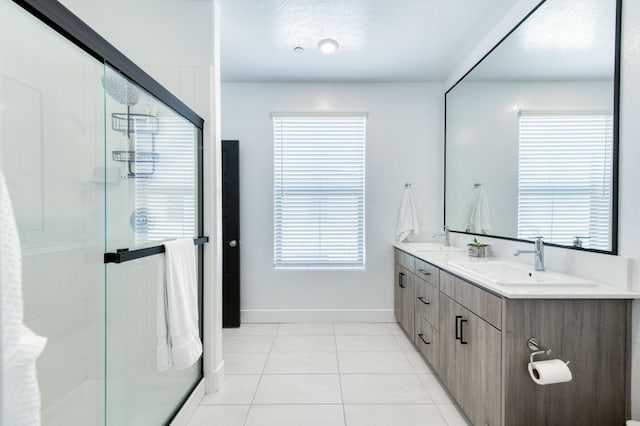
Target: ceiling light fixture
column 328, row 46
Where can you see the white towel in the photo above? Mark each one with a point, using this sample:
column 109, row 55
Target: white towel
column 179, row 342
column 479, row 222
column 19, row 346
column 408, row 218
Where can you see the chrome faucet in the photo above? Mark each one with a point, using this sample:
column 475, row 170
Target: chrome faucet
column 444, row 234
column 538, row 252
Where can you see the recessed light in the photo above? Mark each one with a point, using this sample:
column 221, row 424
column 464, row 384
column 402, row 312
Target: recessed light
column 328, row 46
column 298, row 49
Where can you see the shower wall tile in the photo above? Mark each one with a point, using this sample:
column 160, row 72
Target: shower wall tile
column 187, row 85
column 32, row 278
column 7, row 41
column 60, row 367
column 201, row 102
column 172, row 79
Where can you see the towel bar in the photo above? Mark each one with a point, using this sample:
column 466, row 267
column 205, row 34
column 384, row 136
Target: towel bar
column 125, row 255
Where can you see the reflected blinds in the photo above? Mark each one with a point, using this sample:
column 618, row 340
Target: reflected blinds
column 564, row 185
column 319, row 175
column 165, row 201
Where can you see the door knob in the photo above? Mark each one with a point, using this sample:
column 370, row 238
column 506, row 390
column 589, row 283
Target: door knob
column 233, row 243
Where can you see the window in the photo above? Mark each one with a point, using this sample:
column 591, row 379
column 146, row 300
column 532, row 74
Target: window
column 319, row 191
column 564, row 185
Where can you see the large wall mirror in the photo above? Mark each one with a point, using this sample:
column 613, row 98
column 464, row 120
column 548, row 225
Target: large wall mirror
column 532, row 134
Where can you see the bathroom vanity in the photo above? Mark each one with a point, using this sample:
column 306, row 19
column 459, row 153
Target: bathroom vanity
column 474, row 333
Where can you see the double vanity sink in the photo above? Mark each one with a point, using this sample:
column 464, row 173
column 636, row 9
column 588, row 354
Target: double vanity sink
column 471, row 319
column 511, row 279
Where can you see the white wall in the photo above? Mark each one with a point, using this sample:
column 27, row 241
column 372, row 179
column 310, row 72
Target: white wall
column 483, row 134
column 403, row 134
column 629, row 186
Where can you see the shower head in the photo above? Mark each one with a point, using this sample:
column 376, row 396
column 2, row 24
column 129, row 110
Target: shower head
column 119, row 88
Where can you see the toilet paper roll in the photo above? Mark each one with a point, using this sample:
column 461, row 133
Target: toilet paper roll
column 549, row 372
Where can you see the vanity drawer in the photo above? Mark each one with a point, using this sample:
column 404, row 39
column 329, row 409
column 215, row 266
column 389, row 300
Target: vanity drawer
column 428, row 302
column 482, row 303
column 405, row 260
column 428, row 272
column 428, row 341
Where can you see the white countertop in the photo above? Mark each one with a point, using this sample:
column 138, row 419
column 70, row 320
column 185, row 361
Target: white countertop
column 447, row 259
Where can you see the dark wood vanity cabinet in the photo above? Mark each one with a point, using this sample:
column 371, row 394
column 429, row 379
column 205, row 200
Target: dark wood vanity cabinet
column 476, row 342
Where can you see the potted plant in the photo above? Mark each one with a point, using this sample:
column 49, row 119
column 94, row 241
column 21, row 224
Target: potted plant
column 478, row 249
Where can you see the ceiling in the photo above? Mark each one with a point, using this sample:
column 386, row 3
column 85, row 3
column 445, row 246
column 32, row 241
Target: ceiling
column 380, row 40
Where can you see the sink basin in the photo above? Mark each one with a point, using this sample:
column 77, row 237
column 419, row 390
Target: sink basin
column 432, row 247
column 511, row 274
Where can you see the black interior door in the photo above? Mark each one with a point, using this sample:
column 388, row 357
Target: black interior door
column 230, row 234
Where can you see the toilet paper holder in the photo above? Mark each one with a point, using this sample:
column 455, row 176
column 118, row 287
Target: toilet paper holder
column 536, row 348
column 534, row 345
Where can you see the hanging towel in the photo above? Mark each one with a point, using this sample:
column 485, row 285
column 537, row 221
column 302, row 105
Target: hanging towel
column 179, row 342
column 408, row 219
column 19, row 346
column 479, row 222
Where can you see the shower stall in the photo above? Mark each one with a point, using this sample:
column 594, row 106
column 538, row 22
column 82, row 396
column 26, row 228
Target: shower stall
column 102, row 165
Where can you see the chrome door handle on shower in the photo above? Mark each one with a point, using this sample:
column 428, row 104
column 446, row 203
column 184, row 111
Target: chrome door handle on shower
column 233, row 243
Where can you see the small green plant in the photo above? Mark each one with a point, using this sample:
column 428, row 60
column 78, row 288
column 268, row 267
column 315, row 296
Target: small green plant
column 477, row 243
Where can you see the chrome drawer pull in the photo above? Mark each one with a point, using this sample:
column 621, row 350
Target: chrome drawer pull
column 420, row 298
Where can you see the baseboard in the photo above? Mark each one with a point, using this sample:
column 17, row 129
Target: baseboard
column 190, row 406
column 215, row 379
column 316, row 315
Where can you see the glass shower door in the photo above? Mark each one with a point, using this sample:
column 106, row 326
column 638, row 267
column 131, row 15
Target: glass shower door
column 93, row 164
column 52, row 157
column 152, row 156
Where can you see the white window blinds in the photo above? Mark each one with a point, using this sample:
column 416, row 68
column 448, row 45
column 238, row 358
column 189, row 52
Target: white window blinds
column 319, row 191
column 564, row 185
column 165, row 191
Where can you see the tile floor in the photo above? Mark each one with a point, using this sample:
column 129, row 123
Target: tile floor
column 327, row 374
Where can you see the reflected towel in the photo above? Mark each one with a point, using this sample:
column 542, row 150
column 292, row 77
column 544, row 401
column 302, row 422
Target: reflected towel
column 479, row 222
column 408, row 218
column 179, row 342
column 19, row 346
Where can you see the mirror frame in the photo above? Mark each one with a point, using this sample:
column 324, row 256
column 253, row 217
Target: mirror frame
column 615, row 147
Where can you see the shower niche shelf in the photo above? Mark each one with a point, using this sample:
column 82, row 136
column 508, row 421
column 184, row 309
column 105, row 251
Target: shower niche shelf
column 135, row 156
column 128, row 123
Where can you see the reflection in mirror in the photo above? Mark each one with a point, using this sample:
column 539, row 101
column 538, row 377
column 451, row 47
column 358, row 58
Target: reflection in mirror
column 531, row 134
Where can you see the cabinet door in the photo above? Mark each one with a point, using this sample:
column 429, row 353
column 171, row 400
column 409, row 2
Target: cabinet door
column 404, row 294
column 451, row 351
column 481, row 344
column 398, row 293
column 409, row 295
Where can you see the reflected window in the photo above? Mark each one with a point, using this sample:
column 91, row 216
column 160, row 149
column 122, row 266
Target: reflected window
column 564, row 184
